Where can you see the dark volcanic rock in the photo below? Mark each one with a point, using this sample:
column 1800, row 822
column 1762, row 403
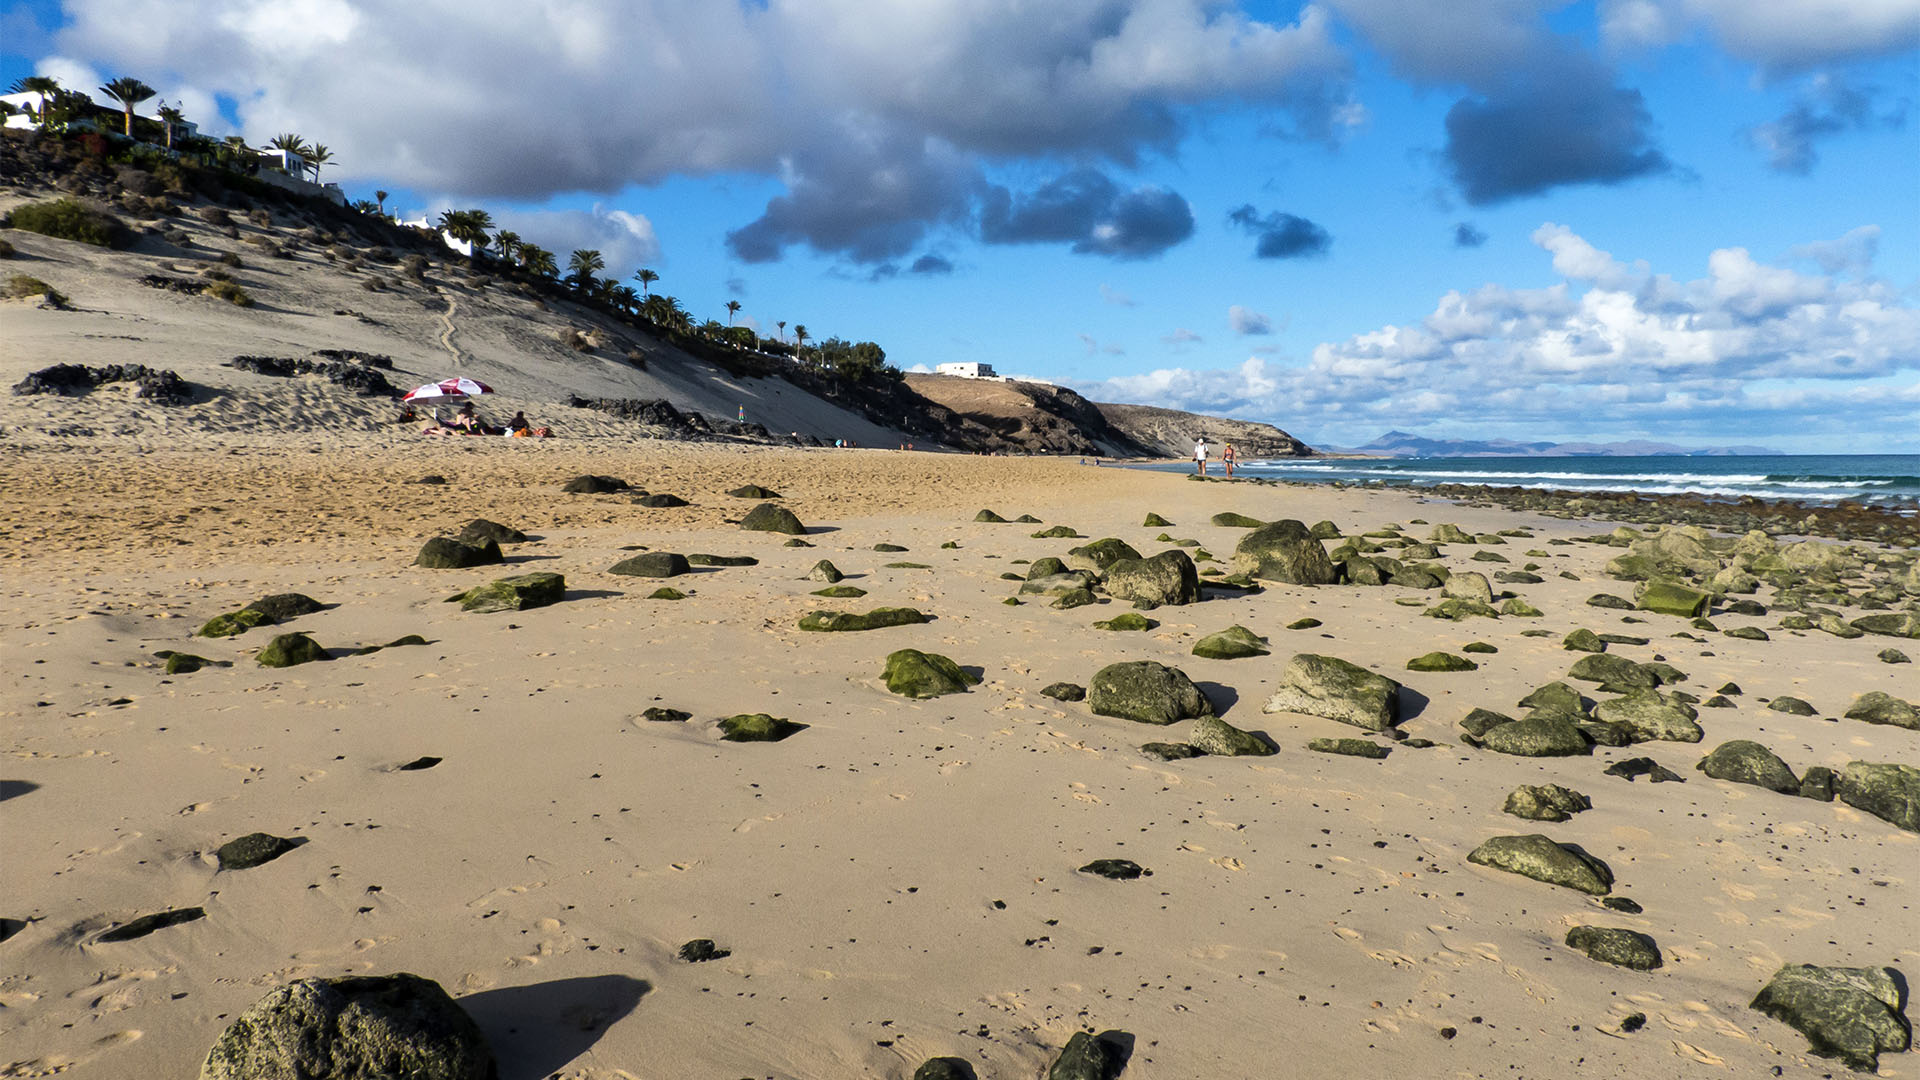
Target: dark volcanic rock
column 701, row 950
column 1879, row 707
column 1088, row 1057
column 286, row 650
column 754, row 491
column 150, row 384
column 660, row 501
column 147, row 924
column 595, row 485
column 1541, row 735
column 253, row 849
column 1792, row 706
column 769, row 517
column 1169, row 751
column 353, row 1028
column 653, row 564
column 1284, row 551
column 1349, row 747
column 480, row 530
column 1852, row 1014
column 1115, row 869
column 1611, row 945
column 1546, row 802
column 1886, row 790
column 449, row 553
column 282, row 607
column 1065, row 691
column 1643, row 766
column 944, row 1068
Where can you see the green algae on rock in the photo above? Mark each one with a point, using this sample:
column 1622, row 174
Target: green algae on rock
column 877, row 619
column 915, row 674
column 1540, row 858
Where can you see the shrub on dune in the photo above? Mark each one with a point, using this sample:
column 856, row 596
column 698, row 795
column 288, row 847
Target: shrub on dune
column 69, row 219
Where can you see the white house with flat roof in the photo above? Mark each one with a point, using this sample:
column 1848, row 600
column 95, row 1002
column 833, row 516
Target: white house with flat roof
column 967, row 370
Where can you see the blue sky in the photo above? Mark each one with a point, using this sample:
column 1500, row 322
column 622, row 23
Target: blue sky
column 1689, row 220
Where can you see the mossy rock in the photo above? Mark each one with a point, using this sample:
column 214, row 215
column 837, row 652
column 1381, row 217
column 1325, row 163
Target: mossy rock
column 1349, row 747
column 1611, row 945
column 480, row 530
column 1458, row 609
column 286, row 650
column 521, row 592
column 1065, row 691
column 1849, row 1014
column 1147, row 692
column 1669, row 598
column 448, row 553
column 1233, row 643
column 877, row 619
column 1478, row 647
column 286, row 606
column 1170, row 751
column 1073, row 598
column 1305, row 623
column 1100, row 554
column 179, row 663
column 660, row 500
column 840, row 592
column 666, row 592
column 1608, row 600
column 1441, row 661
column 796, row 542
column 1792, row 706
column 1880, row 707
column 1057, row 532
column 1045, row 567
column 234, row 622
column 654, row 564
column 721, row 560
column 757, row 727
column 1166, row 578
column 754, row 491
column 1285, row 552
column 1743, row 761
column 915, row 674
column 1479, row 721
column 1330, row 687
column 595, row 485
column 1540, row 858
column 1324, row 530
column 358, row 1026
column 1650, row 716
column 824, row 570
column 658, row 715
column 1747, row 633
column 1893, row 656
column 255, row 849
column 1540, row 735
column 885, row 547
column 1556, row 697
column 1888, row 791
column 1155, row 521
column 1212, row 735
column 1026, row 519
column 908, row 566
column 1131, row 620
column 773, row 518
column 1517, row 608
column 989, row 517
column 1613, row 671
column 1231, row 520
column 405, row 641
column 1583, row 641
column 944, row 1068
column 1546, row 802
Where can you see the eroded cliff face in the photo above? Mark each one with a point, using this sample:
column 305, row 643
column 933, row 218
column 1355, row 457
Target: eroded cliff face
column 1170, row 433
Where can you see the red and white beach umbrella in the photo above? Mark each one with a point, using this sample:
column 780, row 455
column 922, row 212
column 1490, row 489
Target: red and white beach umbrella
column 448, row 388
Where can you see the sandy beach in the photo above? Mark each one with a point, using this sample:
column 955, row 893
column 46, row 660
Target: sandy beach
column 899, row 879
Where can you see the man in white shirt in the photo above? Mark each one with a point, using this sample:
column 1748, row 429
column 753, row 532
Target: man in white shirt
column 1200, row 456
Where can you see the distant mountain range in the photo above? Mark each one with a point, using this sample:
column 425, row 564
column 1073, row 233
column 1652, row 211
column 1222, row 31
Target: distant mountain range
column 1406, row 444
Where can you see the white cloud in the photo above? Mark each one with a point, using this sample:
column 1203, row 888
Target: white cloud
column 1248, row 321
column 1115, row 297
column 1777, row 34
column 1750, row 352
column 1181, row 336
column 625, row 240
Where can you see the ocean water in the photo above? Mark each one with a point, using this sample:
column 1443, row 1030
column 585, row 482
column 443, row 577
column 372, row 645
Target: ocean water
column 1886, row 479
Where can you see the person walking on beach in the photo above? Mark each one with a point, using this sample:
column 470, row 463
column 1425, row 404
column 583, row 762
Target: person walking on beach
column 1200, row 456
column 1226, row 459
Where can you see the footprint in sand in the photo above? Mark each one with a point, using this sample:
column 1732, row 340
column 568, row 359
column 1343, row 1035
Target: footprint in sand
column 1227, row 862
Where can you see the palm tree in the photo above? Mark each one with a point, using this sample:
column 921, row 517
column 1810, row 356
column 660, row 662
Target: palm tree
column 646, row 278
column 799, row 334
column 468, row 227
column 507, row 242
column 733, row 308
column 366, row 206
column 318, row 155
column 170, row 116
column 44, row 85
column 382, row 197
column 537, row 260
column 782, row 324
column 582, row 265
column 129, row 92
column 624, row 296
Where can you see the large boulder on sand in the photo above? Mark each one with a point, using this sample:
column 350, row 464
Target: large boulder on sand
column 1333, row 688
column 450, row 553
column 1651, row 717
column 1166, row 578
column 1880, row 707
column 350, row 1028
column 1100, row 554
column 1146, row 691
column 915, row 674
column 1539, row 858
column 1284, row 551
column 1882, row 788
column 1467, row 585
column 771, row 517
column 652, row 564
column 1852, row 1014
column 516, row 593
column 1743, row 761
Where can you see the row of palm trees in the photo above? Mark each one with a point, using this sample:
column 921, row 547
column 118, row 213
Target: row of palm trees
column 475, row 228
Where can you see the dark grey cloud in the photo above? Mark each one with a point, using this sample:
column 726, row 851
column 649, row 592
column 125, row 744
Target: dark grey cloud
column 1826, row 106
column 929, row 265
column 1563, row 124
column 1088, row 210
column 868, row 201
column 1280, row 235
column 1466, row 235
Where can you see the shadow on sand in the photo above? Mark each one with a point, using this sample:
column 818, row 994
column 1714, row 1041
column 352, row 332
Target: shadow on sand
column 537, row 1030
